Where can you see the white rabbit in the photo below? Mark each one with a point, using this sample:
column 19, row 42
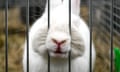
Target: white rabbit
column 57, row 41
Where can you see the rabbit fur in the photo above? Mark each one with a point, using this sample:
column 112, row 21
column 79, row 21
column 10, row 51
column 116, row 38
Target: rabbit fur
column 78, row 42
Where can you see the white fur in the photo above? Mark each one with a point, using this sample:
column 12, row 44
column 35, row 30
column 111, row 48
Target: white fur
column 75, row 6
column 53, row 4
column 40, row 42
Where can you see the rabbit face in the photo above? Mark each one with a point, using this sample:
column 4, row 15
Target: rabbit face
column 58, row 44
column 58, row 38
column 59, row 41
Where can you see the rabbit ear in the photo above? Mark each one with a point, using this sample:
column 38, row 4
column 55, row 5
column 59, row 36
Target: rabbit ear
column 75, row 6
column 53, row 4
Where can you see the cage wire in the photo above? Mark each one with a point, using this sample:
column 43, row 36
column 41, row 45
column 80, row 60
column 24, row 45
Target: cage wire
column 27, row 21
column 36, row 9
column 90, row 26
column 69, row 57
column 107, row 24
column 48, row 29
column 104, row 20
column 6, row 35
column 104, row 16
column 111, row 35
column 27, row 34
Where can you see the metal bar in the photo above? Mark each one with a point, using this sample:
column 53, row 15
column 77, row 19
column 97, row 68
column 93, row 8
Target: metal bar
column 48, row 29
column 6, row 36
column 108, row 10
column 70, row 34
column 111, row 34
column 27, row 33
column 116, row 15
column 108, row 27
column 90, row 25
column 115, row 23
column 118, row 8
column 48, row 13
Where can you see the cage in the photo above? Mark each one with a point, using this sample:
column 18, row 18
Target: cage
column 17, row 18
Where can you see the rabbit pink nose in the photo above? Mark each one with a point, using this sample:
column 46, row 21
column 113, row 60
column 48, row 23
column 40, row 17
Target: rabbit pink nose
column 58, row 43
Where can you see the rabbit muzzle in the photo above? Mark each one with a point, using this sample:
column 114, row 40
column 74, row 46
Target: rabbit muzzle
column 58, row 44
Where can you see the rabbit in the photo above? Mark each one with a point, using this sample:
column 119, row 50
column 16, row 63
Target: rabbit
column 58, row 41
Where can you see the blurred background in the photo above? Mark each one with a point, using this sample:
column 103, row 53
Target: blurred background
column 17, row 20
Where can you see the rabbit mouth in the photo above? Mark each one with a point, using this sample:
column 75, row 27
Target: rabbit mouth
column 59, row 52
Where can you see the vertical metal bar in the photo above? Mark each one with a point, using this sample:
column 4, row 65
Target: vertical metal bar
column 48, row 14
column 6, row 36
column 70, row 33
column 48, row 29
column 90, row 25
column 111, row 35
column 27, row 33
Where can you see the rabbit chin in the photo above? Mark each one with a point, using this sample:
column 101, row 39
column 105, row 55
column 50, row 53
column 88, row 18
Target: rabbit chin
column 58, row 55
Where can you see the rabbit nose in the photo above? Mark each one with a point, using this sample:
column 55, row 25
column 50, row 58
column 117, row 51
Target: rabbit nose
column 58, row 43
